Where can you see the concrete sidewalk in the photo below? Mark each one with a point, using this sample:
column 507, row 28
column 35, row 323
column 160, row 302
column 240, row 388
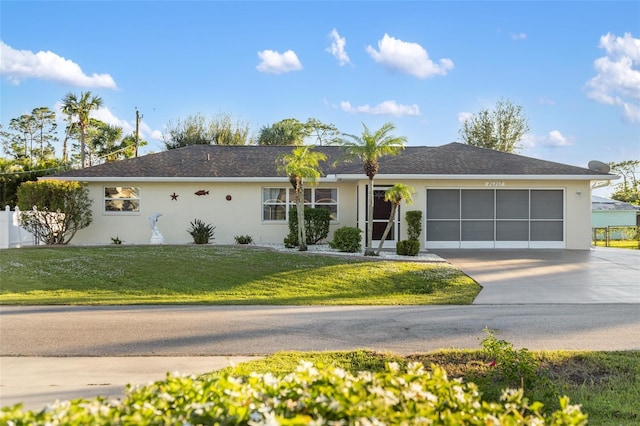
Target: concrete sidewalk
column 38, row 381
column 599, row 275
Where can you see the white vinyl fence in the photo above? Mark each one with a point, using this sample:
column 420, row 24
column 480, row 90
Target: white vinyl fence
column 12, row 235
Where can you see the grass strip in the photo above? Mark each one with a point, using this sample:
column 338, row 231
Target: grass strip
column 606, row 384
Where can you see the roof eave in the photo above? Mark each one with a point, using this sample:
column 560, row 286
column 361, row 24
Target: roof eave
column 479, row 177
column 329, row 178
column 268, row 179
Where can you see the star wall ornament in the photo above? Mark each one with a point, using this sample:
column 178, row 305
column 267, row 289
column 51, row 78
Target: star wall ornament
column 174, row 197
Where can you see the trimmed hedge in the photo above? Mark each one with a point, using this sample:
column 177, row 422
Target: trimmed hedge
column 309, row 396
column 347, row 239
column 408, row 247
column 317, row 225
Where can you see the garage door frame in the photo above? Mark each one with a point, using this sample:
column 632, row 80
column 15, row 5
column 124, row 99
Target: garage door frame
column 469, row 224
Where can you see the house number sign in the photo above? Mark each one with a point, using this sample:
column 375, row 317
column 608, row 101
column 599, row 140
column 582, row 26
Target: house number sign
column 494, row 184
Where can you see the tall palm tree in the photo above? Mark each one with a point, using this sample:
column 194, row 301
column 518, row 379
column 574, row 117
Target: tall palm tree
column 81, row 108
column 300, row 165
column 369, row 147
column 395, row 195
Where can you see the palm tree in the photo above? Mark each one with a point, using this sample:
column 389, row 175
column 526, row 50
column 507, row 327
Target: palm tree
column 289, row 131
column 81, row 108
column 395, row 195
column 106, row 141
column 300, row 165
column 368, row 148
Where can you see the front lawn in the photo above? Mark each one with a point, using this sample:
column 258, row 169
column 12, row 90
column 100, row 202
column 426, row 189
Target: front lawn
column 221, row 275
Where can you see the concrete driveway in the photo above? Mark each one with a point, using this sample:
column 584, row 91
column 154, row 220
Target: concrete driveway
column 599, row 275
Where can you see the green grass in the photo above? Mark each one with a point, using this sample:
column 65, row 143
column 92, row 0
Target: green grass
column 222, row 275
column 606, row 384
column 626, row 244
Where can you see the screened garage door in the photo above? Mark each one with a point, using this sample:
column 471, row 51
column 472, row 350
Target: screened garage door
column 495, row 218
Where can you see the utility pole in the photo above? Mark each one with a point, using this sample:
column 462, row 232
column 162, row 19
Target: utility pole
column 138, row 118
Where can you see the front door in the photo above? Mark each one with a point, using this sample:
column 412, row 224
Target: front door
column 381, row 213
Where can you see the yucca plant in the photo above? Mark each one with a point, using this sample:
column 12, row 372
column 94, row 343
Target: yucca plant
column 201, row 232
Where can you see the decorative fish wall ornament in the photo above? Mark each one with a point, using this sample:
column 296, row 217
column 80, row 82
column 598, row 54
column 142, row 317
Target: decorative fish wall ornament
column 202, row 192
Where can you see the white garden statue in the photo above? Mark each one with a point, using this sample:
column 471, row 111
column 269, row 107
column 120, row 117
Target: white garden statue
column 156, row 236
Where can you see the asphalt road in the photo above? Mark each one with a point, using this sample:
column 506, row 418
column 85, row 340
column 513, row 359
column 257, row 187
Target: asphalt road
column 50, row 353
column 115, row 331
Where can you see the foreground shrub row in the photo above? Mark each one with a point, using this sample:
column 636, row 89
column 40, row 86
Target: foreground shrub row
column 308, row 396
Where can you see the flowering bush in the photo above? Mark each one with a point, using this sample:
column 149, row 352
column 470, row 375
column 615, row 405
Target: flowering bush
column 308, row 396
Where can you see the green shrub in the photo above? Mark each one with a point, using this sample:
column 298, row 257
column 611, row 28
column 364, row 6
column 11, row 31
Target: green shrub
column 517, row 368
column 243, row 239
column 347, row 239
column 54, row 210
column 408, row 247
column 411, row 247
column 316, row 222
column 201, row 232
column 310, row 395
column 414, row 224
column 291, row 241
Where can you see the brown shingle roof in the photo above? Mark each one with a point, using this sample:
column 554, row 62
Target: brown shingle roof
column 251, row 161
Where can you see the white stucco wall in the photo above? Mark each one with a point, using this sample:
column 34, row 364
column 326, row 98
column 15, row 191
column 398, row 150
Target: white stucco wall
column 242, row 215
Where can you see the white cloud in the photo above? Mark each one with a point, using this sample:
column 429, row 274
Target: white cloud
column 464, row 116
column 153, row 134
column 618, row 75
column 337, row 48
column 409, row 58
column 18, row 65
column 278, row 63
column 105, row 114
column 624, row 46
column 128, row 128
column 555, row 138
column 384, row 108
column 519, row 36
column 528, row 141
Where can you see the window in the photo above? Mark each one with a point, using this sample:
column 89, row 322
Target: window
column 276, row 202
column 122, row 199
column 325, row 198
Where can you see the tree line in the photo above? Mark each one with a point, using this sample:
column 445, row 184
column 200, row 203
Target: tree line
column 28, row 143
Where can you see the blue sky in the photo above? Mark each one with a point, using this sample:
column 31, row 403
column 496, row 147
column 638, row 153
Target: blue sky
column 423, row 65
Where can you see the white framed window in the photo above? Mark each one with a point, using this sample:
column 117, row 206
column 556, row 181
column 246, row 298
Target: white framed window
column 276, row 202
column 121, row 199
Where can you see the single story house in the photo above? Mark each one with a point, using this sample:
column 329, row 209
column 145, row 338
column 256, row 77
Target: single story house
column 607, row 212
column 470, row 197
column 613, row 219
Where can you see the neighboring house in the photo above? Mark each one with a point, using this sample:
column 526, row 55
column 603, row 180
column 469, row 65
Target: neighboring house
column 606, row 212
column 470, row 197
